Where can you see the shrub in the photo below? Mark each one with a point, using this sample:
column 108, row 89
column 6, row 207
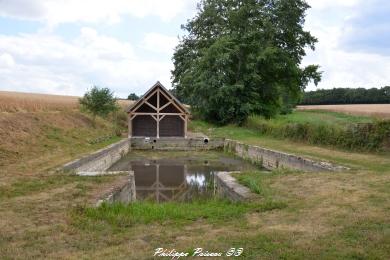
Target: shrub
column 99, row 102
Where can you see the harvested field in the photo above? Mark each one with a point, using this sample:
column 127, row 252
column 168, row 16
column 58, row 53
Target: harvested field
column 124, row 103
column 377, row 110
column 29, row 102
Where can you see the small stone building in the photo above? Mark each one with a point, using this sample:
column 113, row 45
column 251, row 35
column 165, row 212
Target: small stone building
column 158, row 114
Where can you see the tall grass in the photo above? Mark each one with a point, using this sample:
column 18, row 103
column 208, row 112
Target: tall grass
column 212, row 210
column 326, row 128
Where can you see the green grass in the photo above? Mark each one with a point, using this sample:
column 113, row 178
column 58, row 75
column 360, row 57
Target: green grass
column 341, row 245
column 76, row 140
column 374, row 161
column 253, row 180
column 258, row 181
column 354, row 133
column 316, row 117
column 325, row 128
column 26, row 186
column 363, row 236
column 296, row 216
column 212, row 210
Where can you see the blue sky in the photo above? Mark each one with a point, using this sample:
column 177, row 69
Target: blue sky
column 64, row 47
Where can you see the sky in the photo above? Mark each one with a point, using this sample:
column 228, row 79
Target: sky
column 67, row 46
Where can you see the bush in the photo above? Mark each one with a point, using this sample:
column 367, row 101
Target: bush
column 99, row 102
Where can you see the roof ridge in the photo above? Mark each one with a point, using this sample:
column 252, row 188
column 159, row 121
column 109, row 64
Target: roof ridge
column 157, row 84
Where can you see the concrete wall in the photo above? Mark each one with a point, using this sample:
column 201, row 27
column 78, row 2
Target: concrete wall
column 101, row 160
column 228, row 187
column 97, row 163
column 273, row 159
column 269, row 159
column 172, row 143
column 125, row 192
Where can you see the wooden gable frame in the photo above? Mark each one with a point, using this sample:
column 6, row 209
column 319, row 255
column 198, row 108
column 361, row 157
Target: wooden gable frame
column 158, row 113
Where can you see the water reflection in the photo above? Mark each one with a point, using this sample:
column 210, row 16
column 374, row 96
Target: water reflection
column 179, row 179
column 165, row 181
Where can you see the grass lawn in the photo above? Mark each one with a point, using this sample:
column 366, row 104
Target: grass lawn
column 296, row 216
column 374, row 161
column 317, row 117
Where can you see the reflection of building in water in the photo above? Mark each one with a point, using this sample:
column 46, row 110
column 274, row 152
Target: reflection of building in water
column 160, row 182
column 168, row 182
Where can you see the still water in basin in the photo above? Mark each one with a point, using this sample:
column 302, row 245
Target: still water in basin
column 174, row 176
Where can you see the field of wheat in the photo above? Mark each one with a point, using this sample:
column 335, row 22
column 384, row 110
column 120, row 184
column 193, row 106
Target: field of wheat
column 377, row 110
column 28, row 102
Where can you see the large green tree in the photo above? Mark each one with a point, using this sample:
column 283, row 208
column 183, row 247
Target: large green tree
column 243, row 57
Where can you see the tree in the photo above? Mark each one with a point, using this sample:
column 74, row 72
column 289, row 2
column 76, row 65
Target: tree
column 242, row 57
column 133, row 97
column 99, row 102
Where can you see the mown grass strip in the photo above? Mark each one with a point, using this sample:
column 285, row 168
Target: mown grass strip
column 214, row 211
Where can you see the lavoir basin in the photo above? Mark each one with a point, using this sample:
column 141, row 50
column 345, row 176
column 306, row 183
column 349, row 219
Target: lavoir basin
column 177, row 176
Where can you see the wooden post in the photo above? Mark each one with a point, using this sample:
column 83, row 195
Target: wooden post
column 158, row 113
column 130, row 126
column 185, row 126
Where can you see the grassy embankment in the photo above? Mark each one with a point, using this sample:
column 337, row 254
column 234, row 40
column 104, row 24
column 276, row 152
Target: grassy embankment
column 298, row 215
column 39, row 133
column 359, row 133
column 345, row 214
column 321, row 215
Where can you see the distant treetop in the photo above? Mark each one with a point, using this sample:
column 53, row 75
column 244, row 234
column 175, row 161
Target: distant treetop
column 133, row 97
column 347, row 96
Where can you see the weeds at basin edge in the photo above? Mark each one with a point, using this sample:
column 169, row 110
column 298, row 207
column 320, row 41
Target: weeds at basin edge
column 257, row 181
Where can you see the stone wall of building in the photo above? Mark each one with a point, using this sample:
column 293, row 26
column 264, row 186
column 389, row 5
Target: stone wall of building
column 174, row 143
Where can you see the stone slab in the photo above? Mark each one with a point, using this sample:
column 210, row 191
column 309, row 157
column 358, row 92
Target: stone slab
column 229, row 187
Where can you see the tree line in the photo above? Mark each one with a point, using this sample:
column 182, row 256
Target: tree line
column 347, row 96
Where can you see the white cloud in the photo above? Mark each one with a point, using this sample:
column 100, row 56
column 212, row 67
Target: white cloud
column 324, row 4
column 49, row 64
column 55, row 12
column 160, row 43
column 45, row 62
column 107, row 48
column 342, row 65
column 6, row 61
column 350, row 69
